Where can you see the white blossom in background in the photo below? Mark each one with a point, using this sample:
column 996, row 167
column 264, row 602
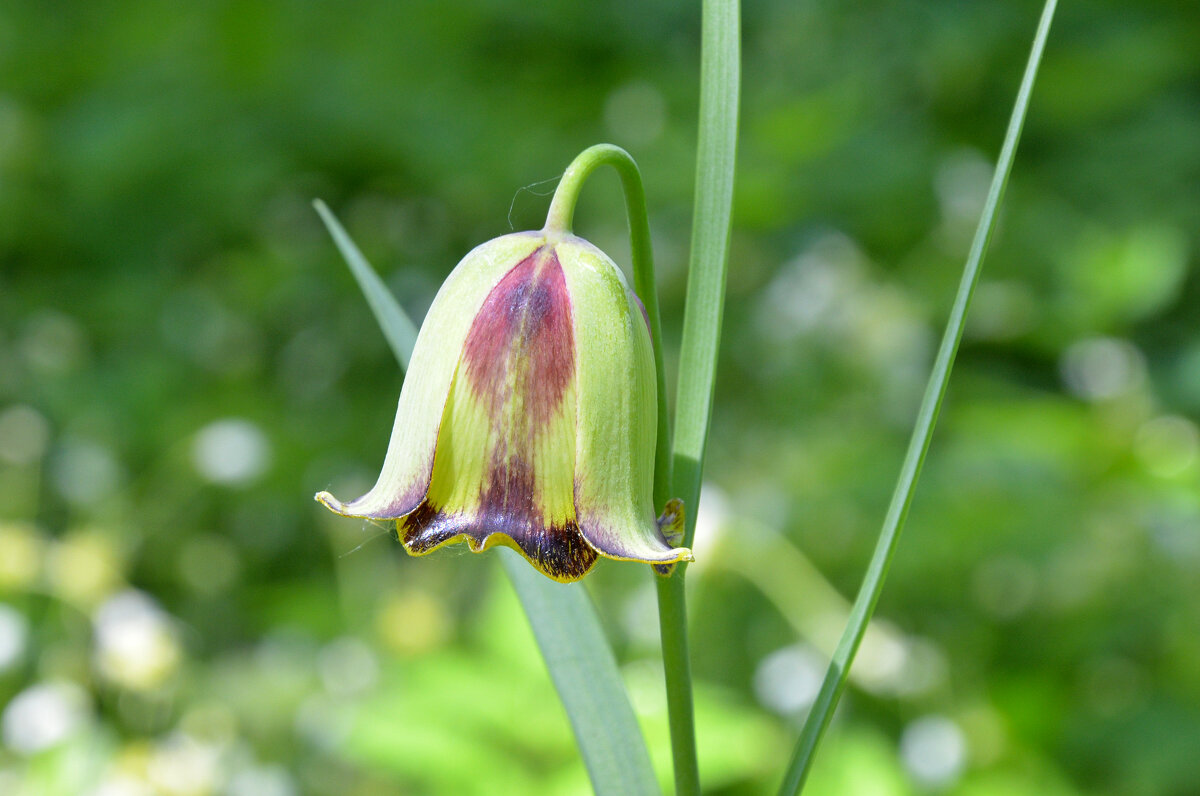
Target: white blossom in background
column 347, row 667
column 231, row 451
column 270, row 780
column 24, row 435
column 813, row 292
column 121, row 785
column 136, row 644
column 84, row 472
column 961, row 184
column 185, row 766
column 934, row 751
column 1102, row 368
column 788, row 680
column 882, row 658
column 43, row 716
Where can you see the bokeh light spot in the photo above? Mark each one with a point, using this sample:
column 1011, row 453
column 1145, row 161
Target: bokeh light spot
column 43, row 716
column 135, row 641
column 934, row 751
column 1167, row 446
column 1102, row 368
column 232, row 451
column 14, row 636
column 347, row 667
column 21, row 550
column 24, row 434
column 83, row 472
column 788, row 680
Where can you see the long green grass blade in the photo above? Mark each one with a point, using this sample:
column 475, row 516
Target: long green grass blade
column 709, row 258
column 399, row 330
column 564, row 621
column 720, row 76
column 864, row 605
column 585, row 673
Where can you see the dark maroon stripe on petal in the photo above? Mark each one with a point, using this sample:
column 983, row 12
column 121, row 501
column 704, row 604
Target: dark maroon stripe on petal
column 507, row 506
column 558, row 551
column 521, row 348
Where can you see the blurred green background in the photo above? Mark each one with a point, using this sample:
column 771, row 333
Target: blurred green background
column 184, row 361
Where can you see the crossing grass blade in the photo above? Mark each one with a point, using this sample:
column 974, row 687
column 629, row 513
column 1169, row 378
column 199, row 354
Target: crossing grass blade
column 564, row 621
column 864, row 606
column 708, row 264
column 400, row 331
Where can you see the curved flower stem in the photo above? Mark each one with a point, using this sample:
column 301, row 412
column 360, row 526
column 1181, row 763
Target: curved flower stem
column 562, row 211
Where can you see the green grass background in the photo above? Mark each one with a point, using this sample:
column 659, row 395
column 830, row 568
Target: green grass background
column 201, row 626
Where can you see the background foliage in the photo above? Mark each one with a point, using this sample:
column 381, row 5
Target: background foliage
column 184, row 360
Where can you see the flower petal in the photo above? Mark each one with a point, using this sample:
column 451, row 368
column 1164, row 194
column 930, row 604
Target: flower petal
column 503, row 471
column 408, row 465
column 616, row 420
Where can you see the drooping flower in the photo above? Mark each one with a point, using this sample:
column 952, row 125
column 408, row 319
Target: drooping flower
column 528, row 415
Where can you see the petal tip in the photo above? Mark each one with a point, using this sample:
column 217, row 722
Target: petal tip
column 330, row 502
column 668, row 568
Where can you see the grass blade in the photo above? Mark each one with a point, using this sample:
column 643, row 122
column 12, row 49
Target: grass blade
column 399, row 330
column 564, row 621
column 835, row 678
column 709, row 259
column 716, row 148
column 583, row 669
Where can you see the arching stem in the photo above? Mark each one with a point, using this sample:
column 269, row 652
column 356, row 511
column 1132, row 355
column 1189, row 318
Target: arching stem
column 558, row 220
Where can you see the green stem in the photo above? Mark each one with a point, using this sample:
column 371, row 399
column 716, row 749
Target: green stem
column 677, row 667
column 558, row 220
column 720, row 67
column 834, row 684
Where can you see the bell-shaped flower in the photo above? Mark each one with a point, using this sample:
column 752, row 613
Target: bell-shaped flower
column 528, row 415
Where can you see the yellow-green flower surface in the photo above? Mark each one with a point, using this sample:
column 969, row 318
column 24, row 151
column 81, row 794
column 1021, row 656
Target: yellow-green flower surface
column 528, row 414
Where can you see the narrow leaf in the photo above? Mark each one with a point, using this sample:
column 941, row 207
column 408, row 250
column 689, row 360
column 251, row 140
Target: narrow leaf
column 400, row 332
column 564, row 621
column 585, row 673
column 835, row 678
column 709, row 259
column 716, row 147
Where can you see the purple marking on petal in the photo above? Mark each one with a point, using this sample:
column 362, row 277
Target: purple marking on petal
column 645, row 315
column 558, row 550
column 399, row 505
column 521, row 347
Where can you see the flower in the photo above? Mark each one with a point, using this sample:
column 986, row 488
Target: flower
column 528, row 415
